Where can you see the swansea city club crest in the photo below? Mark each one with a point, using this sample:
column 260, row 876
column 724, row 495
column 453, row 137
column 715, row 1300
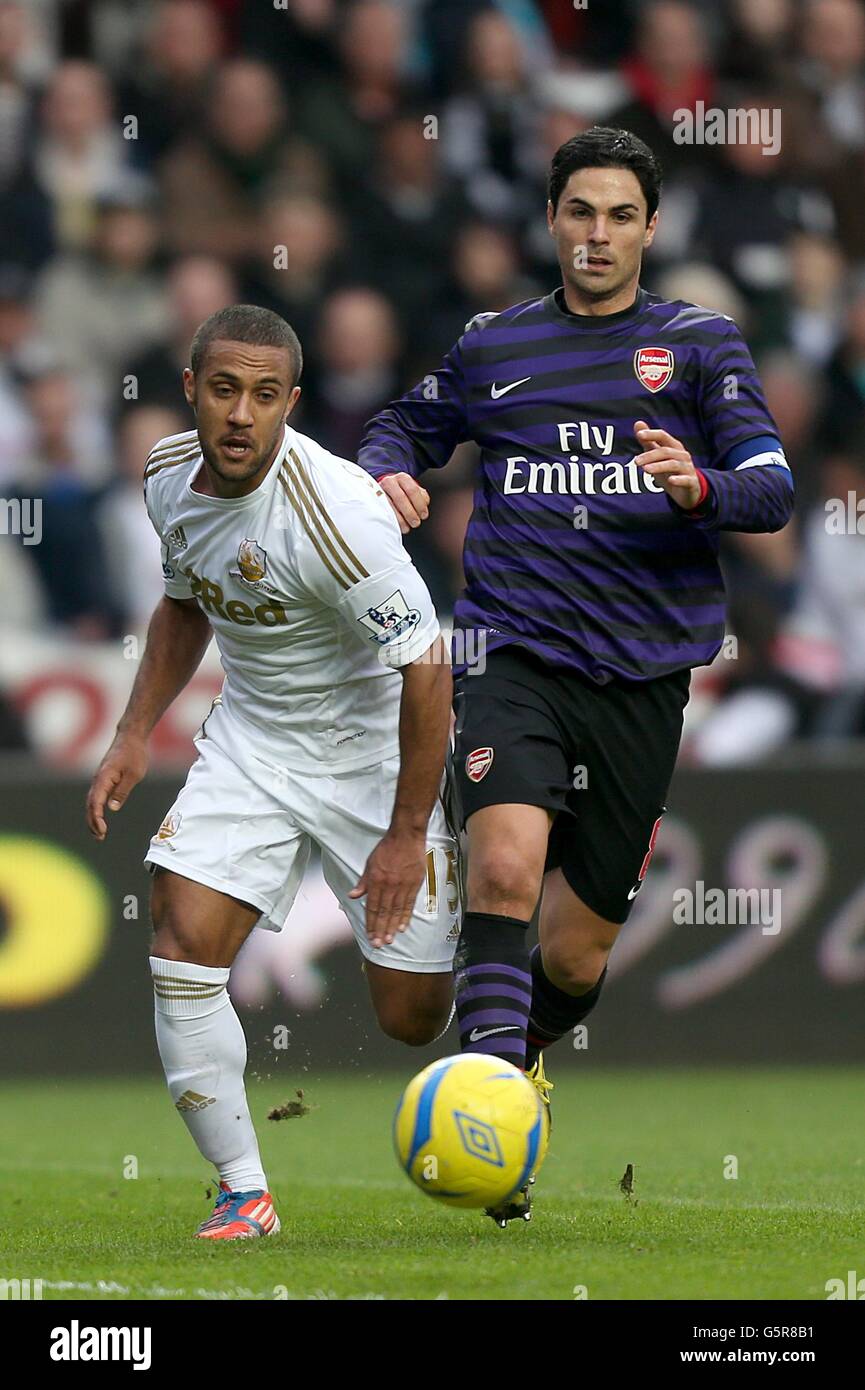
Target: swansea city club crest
column 252, row 566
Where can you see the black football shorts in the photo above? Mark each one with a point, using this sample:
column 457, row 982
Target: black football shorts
column 601, row 757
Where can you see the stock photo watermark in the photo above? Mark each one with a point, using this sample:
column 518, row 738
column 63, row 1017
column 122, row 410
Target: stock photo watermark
column 736, row 125
column 845, row 516
column 21, row 516
column 728, row 907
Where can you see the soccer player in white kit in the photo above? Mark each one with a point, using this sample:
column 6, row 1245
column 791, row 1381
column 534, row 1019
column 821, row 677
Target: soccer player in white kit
column 331, row 729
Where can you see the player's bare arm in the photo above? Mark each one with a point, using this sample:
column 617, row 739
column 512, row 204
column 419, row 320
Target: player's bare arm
column 409, row 500
column 177, row 639
column 395, row 869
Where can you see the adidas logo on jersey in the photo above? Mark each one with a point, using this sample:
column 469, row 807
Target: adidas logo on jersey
column 193, row 1100
column 177, row 538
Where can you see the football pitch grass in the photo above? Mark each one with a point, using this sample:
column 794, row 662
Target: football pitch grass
column 353, row 1227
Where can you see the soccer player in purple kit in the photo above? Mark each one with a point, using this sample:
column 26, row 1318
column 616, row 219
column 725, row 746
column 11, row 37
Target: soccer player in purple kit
column 619, row 434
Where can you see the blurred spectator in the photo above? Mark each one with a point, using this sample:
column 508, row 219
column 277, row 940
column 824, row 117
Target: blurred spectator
column 486, row 275
column 748, row 217
column 844, row 183
column 823, row 646
column 759, row 45
column 167, row 94
column 761, row 570
column 668, row 70
column 342, row 116
column 131, row 545
column 437, row 546
column 445, row 24
column 215, row 183
column 79, row 150
column 405, row 217
column 26, row 219
column 697, row 283
column 815, row 687
column 356, row 355
column 489, row 130
column 795, row 396
column 298, row 37
column 760, row 574
column 300, row 258
column 816, row 297
column 833, row 52
column 17, row 327
column 843, row 423
column 451, row 503
column 70, row 558
column 98, row 305
column 597, row 33
column 17, row 90
column 196, row 287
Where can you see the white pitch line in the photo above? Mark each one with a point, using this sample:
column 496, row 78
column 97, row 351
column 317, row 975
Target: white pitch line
column 107, row 1287
column 110, row 1286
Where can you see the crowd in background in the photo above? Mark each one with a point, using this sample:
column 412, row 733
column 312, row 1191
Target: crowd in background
column 376, row 173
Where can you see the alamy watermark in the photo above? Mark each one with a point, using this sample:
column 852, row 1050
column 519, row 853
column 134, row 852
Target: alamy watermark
column 727, row 907
column 845, row 516
column 735, row 126
column 20, row 1290
column 21, row 516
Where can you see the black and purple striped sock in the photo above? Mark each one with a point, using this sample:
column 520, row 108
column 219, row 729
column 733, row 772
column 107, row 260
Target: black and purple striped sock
column 493, row 986
column 553, row 1012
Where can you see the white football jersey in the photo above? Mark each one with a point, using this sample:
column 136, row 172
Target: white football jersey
column 313, row 601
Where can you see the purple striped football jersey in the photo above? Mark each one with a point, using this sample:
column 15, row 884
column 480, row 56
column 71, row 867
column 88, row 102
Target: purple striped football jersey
column 572, row 550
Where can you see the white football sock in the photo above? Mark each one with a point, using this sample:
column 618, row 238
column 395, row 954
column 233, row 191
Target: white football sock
column 203, row 1050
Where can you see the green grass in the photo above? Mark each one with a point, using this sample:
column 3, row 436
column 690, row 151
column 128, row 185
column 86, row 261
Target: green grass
column 353, row 1226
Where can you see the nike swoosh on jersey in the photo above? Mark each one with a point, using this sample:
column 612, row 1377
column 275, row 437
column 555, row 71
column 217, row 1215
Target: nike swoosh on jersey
column 475, row 1036
column 496, row 391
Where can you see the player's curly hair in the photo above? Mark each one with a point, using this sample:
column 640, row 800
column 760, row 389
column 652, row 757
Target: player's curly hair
column 604, row 147
column 247, row 323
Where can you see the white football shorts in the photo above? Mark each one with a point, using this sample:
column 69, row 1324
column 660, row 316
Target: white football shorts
column 246, row 828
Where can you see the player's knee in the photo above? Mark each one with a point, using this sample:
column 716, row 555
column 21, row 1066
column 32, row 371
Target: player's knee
column 413, row 1029
column 499, row 882
column 574, row 972
column 174, row 937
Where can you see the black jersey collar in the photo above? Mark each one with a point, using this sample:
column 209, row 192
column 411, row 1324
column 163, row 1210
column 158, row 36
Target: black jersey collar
column 555, row 303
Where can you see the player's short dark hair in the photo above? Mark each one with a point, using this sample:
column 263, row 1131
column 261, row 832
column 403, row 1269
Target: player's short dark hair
column 247, row 323
column 604, row 147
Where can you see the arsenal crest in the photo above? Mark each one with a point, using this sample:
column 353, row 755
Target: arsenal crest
column 654, row 367
column 478, row 763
